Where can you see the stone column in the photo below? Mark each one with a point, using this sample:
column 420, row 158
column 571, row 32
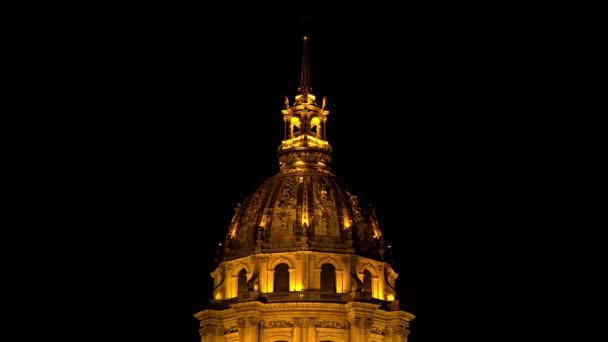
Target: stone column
column 367, row 329
column 310, row 330
column 298, row 281
column 345, row 275
column 305, row 272
column 376, row 288
column 314, row 274
column 270, row 285
column 356, row 325
column 339, row 282
column 292, row 280
column 240, row 322
column 252, row 330
column 297, row 329
column 229, row 292
column 317, row 282
column 263, row 274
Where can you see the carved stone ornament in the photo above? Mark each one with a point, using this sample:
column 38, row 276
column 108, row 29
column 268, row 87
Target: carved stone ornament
column 253, row 320
column 279, row 324
column 332, row 324
column 379, row 331
column 209, row 329
column 231, row 329
column 400, row 330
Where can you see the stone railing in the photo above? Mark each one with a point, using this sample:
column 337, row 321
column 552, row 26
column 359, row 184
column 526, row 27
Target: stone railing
column 304, row 296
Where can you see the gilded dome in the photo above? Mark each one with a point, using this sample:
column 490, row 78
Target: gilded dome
column 303, row 259
column 304, row 206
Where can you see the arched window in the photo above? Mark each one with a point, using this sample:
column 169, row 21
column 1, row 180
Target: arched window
column 281, row 278
column 367, row 281
column 243, row 280
column 328, row 278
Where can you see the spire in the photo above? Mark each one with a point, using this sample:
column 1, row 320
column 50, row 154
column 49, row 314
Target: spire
column 305, row 86
column 304, row 133
column 305, row 94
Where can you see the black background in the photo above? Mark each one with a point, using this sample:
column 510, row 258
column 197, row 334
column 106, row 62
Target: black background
column 477, row 131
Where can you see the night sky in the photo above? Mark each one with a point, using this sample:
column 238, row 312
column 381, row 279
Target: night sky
column 477, row 131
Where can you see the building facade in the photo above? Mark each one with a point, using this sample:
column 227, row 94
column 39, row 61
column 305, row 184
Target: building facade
column 303, row 260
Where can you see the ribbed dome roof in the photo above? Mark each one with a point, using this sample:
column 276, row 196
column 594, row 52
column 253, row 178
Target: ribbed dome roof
column 305, row 206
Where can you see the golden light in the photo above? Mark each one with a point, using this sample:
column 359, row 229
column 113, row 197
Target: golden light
column 390, row 297
column 263, row 223
column 311, row 141
column 347, row 221
column 377, row 232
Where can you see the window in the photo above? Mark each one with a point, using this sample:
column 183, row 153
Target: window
column 328, row 278
column 367, row 281
column 281, row 278
column 243, row 280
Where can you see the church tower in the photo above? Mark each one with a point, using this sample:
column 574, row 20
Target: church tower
column 303, row 260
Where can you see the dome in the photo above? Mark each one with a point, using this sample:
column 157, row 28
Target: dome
column 304, row 206
column 303, row 259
